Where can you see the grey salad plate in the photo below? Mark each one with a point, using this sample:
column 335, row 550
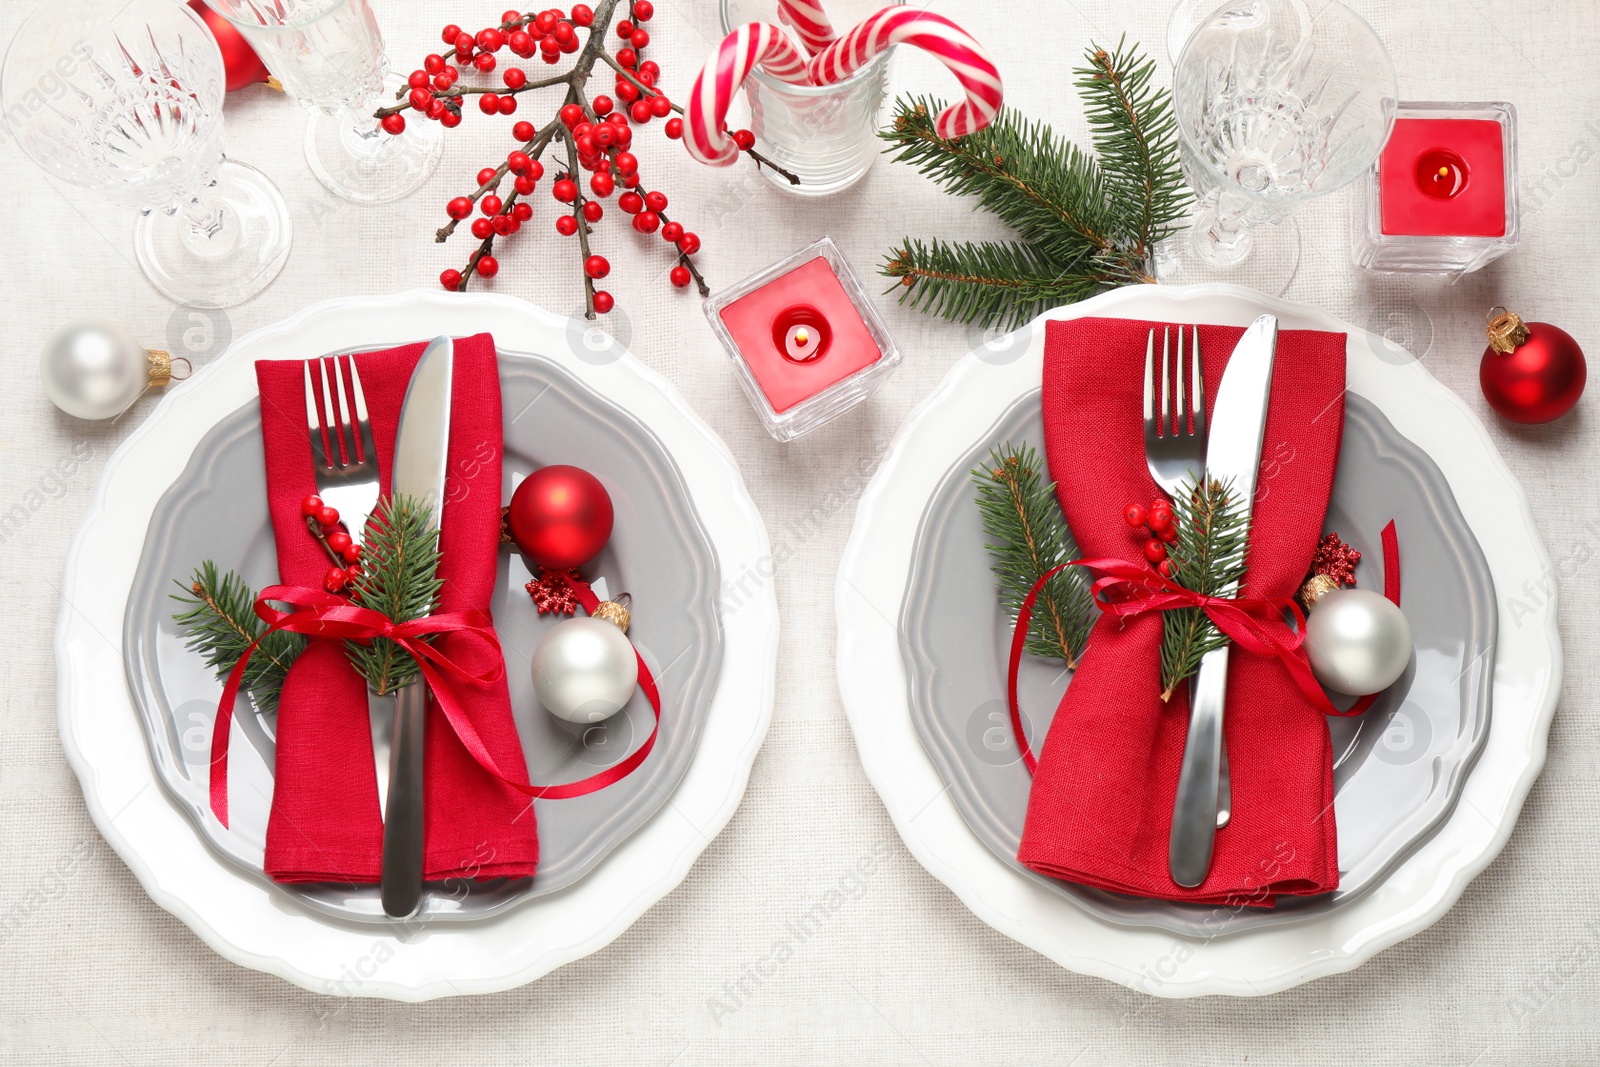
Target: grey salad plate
column 1398, row 769
column 659, row 552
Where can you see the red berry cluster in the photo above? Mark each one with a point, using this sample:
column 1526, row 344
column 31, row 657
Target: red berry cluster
column 343, row 551
column 595, row 134
column 1156, row 521
column 432, row 86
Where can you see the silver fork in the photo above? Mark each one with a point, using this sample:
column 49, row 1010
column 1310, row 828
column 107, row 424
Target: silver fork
column 1175, row 449
column 344, row 459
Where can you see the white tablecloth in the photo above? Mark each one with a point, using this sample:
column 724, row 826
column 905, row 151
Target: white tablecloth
column 92, row 972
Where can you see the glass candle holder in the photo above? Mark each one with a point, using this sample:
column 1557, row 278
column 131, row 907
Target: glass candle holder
column 806, row 341
column 825, row 135
column 1442, row 197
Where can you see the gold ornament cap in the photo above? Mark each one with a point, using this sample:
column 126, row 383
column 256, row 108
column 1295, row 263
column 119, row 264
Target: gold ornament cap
column 159, row 367
column 1317, row 586
column 614, row 611
column 1506, row 330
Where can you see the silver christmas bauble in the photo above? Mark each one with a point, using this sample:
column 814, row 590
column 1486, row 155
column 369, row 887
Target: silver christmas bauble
column 584, row 670
column 94, row 369
column 1359, row 642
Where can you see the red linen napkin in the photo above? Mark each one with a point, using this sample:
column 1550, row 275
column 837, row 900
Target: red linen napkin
column 325, row 823
column 1100, row 810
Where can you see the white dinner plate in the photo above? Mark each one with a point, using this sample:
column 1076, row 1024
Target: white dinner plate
column 251, row 922
column 871, row 588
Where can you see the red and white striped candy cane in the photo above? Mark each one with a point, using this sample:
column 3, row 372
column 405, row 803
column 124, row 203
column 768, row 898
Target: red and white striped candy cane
column 756, row 43
column 808, row 19
column 934, row 34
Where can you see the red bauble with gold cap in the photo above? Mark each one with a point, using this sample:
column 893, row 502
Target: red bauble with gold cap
column 560, row 516
column 1531, row 371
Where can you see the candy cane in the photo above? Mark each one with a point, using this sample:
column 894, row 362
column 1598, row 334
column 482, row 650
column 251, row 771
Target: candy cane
column 808, row 20
column 756, row 43
column 934, row 34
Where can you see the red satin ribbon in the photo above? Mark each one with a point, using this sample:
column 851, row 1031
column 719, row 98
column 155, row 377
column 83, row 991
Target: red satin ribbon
column 322, row 615
column 1254, row 624
column 1391, row 589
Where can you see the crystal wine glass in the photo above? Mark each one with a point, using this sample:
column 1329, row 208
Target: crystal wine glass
column 329, row 55
column 1277, row 102
column 124, row 97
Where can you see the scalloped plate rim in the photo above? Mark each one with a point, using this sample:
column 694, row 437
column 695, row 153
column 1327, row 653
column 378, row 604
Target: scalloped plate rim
column 327, row 958
column 1415, row 895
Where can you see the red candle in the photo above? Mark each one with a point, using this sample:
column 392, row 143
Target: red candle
column 800, row 334
column 1443, row 177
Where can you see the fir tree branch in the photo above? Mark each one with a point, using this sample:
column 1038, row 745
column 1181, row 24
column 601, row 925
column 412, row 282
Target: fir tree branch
column 1207, row 557
column 220, row 622
column 1083, row 222
column 400, row 580
column 1136, row 143
column 1029, row 539
column 1001, row 283
column 1041, row 185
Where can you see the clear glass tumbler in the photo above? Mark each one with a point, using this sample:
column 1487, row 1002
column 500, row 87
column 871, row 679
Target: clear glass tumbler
column 826, row 135
column 329, row 55
column 124, row 97
column 1277, row 102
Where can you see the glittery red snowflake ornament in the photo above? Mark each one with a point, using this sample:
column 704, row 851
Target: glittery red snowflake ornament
column 552, row 591
column 1335, row 559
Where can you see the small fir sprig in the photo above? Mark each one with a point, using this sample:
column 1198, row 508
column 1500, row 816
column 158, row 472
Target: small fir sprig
column 219, row 622
column 1083, row 222
column 1208, row 557
column 400, row 581
column 1028, row 538
column 1136, row 145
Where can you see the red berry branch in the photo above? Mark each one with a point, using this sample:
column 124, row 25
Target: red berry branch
column 594, row 135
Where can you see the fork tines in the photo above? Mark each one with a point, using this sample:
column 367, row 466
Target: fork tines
column 331, row 424
column 1175, row 417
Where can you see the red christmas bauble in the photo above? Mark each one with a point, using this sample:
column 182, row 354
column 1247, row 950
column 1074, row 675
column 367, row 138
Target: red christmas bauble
column 1532, row 371
column 560, row 516
column 239, row 60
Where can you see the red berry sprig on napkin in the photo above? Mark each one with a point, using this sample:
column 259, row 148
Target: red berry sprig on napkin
column 343, row 551
column 1156, row 520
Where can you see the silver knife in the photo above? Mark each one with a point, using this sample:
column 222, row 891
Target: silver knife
column 1233, row 453
column 420, row 450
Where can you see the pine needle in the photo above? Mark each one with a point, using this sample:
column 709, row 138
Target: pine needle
column 220, row 623
column 400, row 580
column 1029, row 537
column 1207, row 557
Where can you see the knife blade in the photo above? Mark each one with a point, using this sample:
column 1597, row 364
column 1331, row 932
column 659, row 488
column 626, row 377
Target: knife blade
column 1233, row 454
column 421, row 450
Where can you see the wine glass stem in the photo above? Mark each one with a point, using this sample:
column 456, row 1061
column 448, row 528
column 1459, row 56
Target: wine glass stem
column 205, row 223
column 1221, row 234
column 1227, row 226
column 204, row 215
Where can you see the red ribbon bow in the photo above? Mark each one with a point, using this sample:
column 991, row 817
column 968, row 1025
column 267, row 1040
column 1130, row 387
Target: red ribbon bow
column 1255, row 624
column 323, row 615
